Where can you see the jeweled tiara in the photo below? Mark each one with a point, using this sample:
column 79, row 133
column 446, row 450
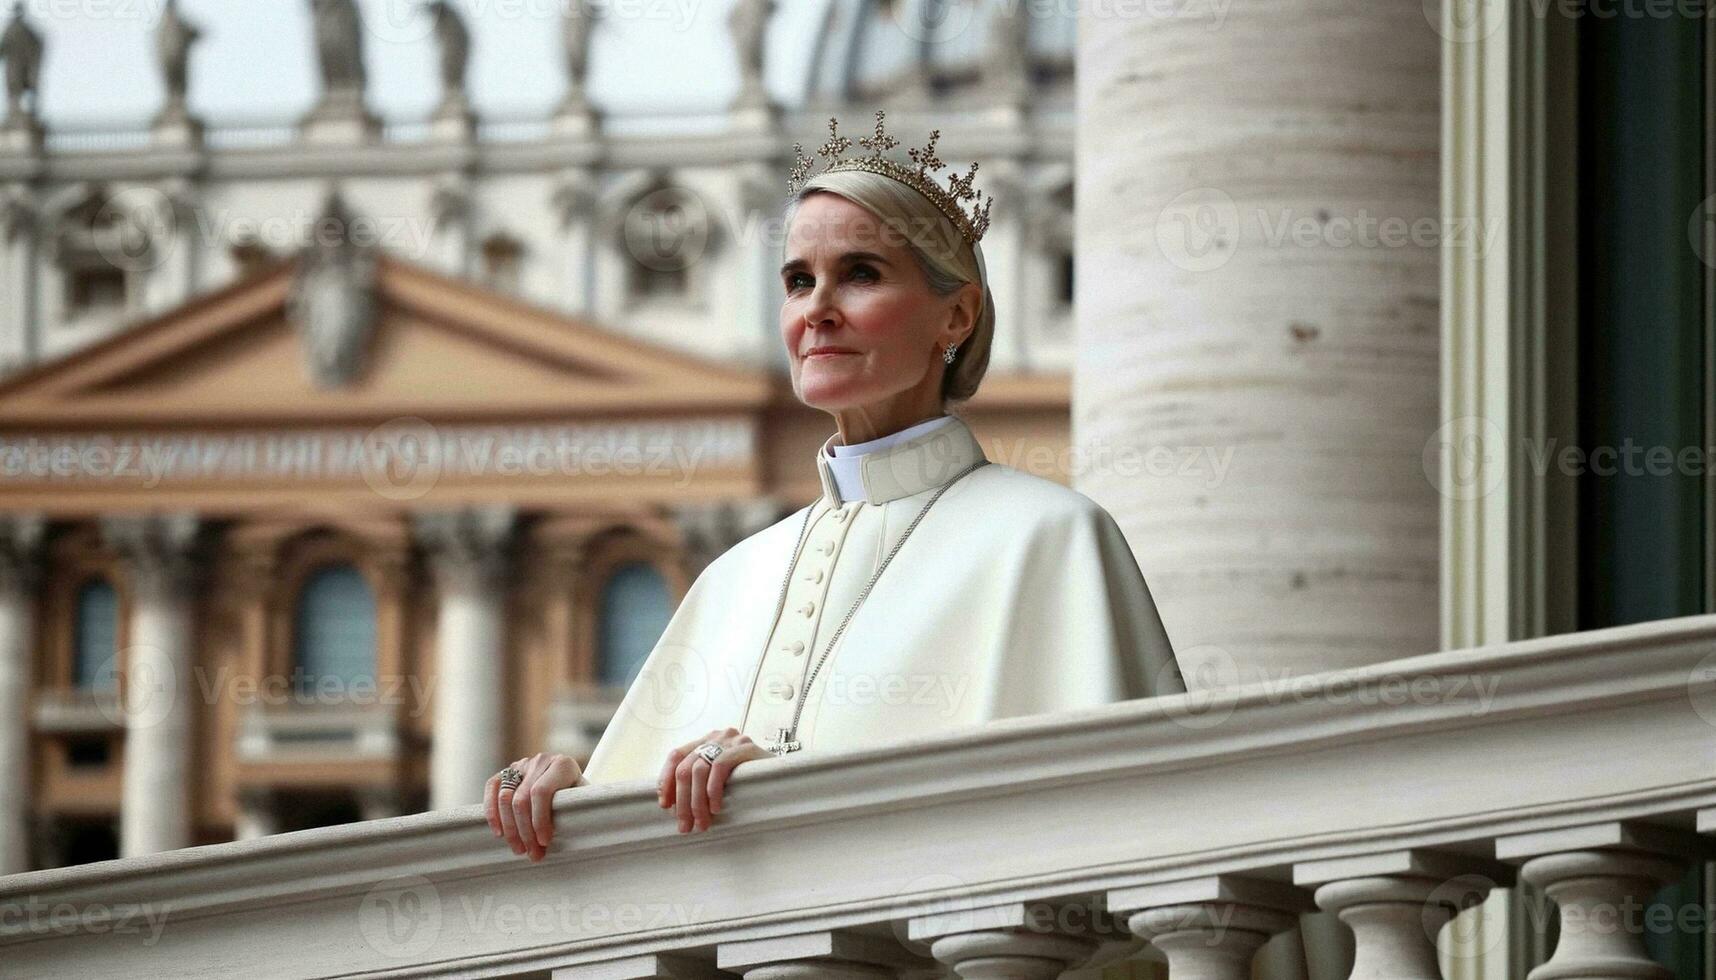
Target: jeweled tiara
column 950, row 199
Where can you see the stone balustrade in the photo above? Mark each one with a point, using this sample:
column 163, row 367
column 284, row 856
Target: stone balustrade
column 1190, row 828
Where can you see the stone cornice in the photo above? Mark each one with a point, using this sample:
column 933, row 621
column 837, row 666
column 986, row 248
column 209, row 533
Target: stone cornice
column 1427, row 752
column 1048, row 137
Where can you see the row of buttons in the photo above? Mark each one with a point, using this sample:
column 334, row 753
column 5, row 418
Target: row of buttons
column 777, row 688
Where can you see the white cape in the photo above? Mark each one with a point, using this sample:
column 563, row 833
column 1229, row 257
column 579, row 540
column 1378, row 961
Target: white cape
column 1014, row 596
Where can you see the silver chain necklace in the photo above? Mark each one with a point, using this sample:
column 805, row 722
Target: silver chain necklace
column 785, row 739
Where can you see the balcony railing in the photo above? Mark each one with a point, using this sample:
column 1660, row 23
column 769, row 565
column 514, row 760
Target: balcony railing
column 1395, row 795
column 327, row 733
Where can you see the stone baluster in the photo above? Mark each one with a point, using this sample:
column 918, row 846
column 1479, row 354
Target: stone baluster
column 1601, row 876
column 1017, row 941
column 20, row 541
column 162, row 564
column 830, row 955
column 653, row 966
column 1210, row 928
column 379, row 802
column 1397, row 902
column 258, row 813
column 469, row 551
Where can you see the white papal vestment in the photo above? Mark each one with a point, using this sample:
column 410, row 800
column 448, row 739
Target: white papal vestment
column 1015, row 595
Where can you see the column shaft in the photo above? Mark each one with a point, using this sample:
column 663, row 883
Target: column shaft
column 156, row 682
column 18, row 574
column 468, row 695
column 20, row 326
column 155, row 813
column 468, row 552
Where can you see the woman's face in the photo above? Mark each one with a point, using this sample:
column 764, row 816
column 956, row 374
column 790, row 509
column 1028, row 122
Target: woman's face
column 861, row 325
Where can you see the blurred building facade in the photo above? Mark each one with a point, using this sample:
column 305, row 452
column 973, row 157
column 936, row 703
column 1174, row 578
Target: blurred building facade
column 397, row 443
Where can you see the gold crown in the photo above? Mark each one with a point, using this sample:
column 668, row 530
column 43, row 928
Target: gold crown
column 950, row 199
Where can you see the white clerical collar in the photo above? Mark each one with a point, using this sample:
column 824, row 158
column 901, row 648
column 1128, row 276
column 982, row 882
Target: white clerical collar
column 917, row 458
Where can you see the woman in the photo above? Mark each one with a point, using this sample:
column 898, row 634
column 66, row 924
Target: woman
column 926, row 588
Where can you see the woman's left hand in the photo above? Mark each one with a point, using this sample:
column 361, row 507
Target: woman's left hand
column 693, row 785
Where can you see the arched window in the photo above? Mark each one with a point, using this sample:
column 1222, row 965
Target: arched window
column 95, row 636
column 636, row 606
column 334, row 632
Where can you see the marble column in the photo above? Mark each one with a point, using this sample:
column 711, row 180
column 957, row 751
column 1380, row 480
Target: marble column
column 20, row 318
column 469, row 551
column 20, row 540
column 161, row 564
column 1006, row 64
column 1257, row 372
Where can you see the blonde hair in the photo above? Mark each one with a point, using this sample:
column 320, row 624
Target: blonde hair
column 945, row 258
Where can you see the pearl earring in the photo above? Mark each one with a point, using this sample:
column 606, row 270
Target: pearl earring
column 947, row 355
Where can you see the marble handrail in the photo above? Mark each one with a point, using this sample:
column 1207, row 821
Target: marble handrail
column 1421, row 769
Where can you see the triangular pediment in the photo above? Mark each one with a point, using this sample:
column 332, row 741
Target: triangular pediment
column 440, row 348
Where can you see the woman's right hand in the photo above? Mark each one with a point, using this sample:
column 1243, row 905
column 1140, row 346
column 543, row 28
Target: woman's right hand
column 525, row 816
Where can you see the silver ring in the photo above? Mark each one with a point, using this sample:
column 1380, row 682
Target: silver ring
column 510, row 778
column 709, row 750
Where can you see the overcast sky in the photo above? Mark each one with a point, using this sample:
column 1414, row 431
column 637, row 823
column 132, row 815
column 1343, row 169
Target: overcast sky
column 256, row 61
